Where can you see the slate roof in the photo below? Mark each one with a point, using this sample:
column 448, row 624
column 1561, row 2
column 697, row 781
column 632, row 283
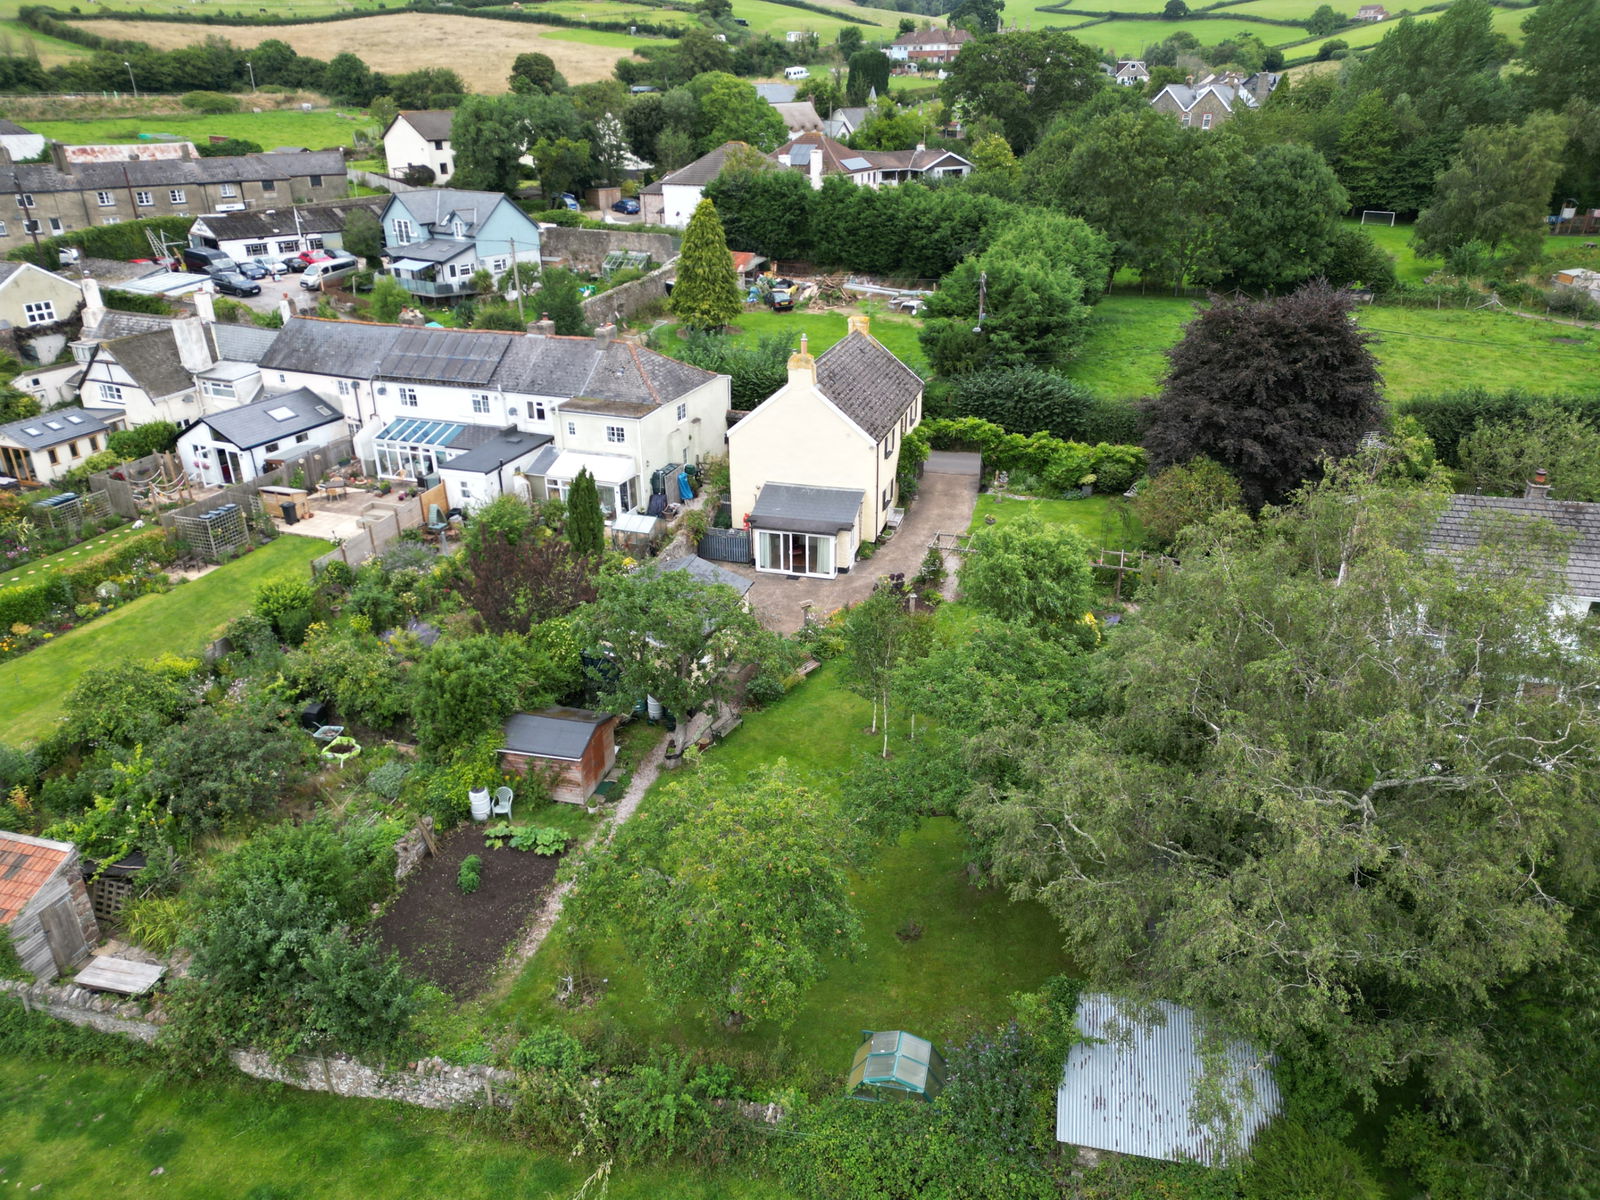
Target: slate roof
column 26, row 865
column 431, row 123
column 1463, row 522
column 504, row 448
column 11, row 128
column 1131, row 1088
column 431, row 206
column 241, row 343
column 8, row 269
column 52, row 428
column 152, row 359
column 528, row 364
column 868, row 384
column 801, row 509
column 434, row 250
column 911, row 160
column 562, row 733
column 776, row 93
column 175, row 172
column 252, row 425
column 1186, row 97
column 708, row 572
column 697, row 174
column 119, row 324
column 276, row 222
column 934, row 37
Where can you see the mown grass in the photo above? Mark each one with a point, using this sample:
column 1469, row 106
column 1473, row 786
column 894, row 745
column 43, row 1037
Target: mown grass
column 318, row 130
column 898, row 334
column 1395, row 241
column 1102, row 521
column 85, row 1132
column 65, row 558
column 181, row 621
column 1124, row 356
column 976, row 947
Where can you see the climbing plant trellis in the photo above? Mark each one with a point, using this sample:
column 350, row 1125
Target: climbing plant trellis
column 216, row 532
column 70, row 510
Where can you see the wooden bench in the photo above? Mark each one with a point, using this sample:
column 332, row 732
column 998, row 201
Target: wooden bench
column 121, row 975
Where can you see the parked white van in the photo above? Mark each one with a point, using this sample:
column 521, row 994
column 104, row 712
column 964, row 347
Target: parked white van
column 794, row 73
column 339, row 267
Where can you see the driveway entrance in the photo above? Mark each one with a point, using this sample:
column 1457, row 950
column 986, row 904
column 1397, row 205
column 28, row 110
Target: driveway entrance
column 944, row 504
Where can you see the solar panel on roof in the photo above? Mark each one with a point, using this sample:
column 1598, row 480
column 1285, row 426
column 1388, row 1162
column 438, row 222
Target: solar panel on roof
column 800, row 156
column 855, row 164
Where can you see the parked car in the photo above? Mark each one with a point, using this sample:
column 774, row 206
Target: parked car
column 251, row 269
column 781, row 299
column 567, row 201
column 625, row 206
column 274, row 267
column 292, row 264
column 234, row 284
column 320, row 273
column 307, row 257
column 204, row 261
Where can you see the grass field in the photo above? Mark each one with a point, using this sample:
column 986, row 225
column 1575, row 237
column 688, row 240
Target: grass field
column 898, row 334
column 67, row 557
column 1102, row 521
column 182, row 621
column 318, row 130
column 976, row 948
column 16, row 38
column 84, row 1132
column 1395, row 240
column 1125, row 354
column 1128, row 39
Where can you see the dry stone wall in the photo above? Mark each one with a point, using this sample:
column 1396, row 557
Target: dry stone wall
column 82, row 1007
column 430, row 1083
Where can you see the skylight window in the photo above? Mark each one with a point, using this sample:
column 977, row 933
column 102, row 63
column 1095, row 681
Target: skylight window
column 52, row 425
column 325, row 410
column 33, row 431
column 284, row 413
column 75, row 420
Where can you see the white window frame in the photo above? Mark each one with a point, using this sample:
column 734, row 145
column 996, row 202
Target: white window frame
column 229, row 191
column 57, row 227
column 25, row 200
column 177, row 196
column 617, row 435
column 39, row 312
column 683, row 410
column 1205, row 120
column 408, row 397
column 344, row 387
column 404, row 232
column 105, row 199
column 144, row 199
column 480, row 402
column 112, row 392
column 536, row 409
column 572, row 429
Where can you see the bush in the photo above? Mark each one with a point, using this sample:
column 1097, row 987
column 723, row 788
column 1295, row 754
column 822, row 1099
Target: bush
column 551, row 1049
column 1289, row 1162
column 289, row 605
column 155, row 438
column 1020, row 400
column 1572, row 302
column 210, row 103
column 1063, row 466
column 148, row 547
column 1448, row 417
column 31, row 603
column 470, row 874
column 386, row 781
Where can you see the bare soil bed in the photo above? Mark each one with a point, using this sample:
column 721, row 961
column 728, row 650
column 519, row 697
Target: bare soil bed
column 454, row 940
column 480, row 51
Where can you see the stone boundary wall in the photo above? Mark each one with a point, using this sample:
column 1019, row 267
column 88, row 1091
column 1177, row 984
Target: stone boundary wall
column 82, row 1007
column 586, row 249
column 621, row 303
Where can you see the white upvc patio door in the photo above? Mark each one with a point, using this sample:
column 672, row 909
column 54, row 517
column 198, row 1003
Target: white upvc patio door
column 795, row 553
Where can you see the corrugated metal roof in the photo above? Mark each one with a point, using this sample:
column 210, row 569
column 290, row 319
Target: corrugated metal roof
column 1131, row 1090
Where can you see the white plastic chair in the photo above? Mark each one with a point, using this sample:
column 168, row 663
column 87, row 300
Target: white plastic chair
column 502, row 802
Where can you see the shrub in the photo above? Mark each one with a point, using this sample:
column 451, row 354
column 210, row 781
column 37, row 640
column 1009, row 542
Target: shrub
column 154, row 438
column 210, row 103
column 1290, row 1162
column 1063, row 466
column 1185, row 495
column 157, row 923
column 470, row 874
column 31, row 603
column 385, row 781
column 1020, row 400
column 1448, row 417
column 551, row 1049
column 288, row 604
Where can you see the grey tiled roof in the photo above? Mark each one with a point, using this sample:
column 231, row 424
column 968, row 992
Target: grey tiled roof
column 241, row 343
column 871, row 386
column 1464, row 520
column 504, row 448
column 776, row 93
column 252, row 425
column 801, row 509
column 708, row 572
column 698, row 173
column 434, row 205
column 434, row 250
column 275, row 222
column 152, row 360
column 349, row 348
column 444, row 356
column 119, row 324
column 51, row 428
column 563, row 733
column 8, row 269
column 431, row 123
column 11, row 128
column 170, row 172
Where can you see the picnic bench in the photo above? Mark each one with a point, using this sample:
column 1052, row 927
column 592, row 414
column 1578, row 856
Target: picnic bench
column 121, row 975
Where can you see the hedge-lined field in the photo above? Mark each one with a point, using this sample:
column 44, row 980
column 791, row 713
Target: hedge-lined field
column 318, row 130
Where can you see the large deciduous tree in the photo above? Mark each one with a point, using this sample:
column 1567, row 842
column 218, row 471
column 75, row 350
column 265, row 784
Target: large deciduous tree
column 1501, row 457
column 1497, row 191
column 1267, row 388
column 536, row 73
column 1328, row 807
column 519, row 571
column 486, row 135
column 1284, row 220
column 1022, row 80
column 1030, row 573
column 731, row 110
column 729, row 893
column 706, row 295
column 764, row 210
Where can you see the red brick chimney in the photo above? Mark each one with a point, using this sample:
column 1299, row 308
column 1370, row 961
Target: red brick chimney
column 1539, row 488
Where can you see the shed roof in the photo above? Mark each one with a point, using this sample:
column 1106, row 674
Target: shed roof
column 51, row 428
column 560, row 733
column 241, row 343
column 292, row 219
column 1465, row 519
column 696, row 174
column 1130, row 1088
column 273, row 418
column 869, row 384
column 26, row 865
column 708, row 572
column 801, row 509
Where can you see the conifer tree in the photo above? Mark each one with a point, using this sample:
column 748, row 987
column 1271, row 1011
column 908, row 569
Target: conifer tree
column 706, row 295
column 586, row 525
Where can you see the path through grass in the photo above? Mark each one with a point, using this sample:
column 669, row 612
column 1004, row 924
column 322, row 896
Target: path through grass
column 67, row 557
column 83, row 1133
column 181, row 621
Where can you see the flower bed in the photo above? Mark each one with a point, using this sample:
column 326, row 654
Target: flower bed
column 32, row 614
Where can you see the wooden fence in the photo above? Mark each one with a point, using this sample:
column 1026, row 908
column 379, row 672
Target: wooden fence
column 381, row 526
column 316, row 463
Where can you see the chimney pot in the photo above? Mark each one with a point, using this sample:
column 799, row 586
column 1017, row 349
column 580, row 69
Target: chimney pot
column 1539, row 486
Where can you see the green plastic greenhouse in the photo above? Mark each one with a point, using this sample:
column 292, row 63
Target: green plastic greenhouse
column 895, row 1065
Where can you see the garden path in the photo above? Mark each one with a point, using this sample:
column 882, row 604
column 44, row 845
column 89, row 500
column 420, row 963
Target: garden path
column 643, row 776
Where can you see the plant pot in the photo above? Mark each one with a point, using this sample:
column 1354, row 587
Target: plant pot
column 478, row 798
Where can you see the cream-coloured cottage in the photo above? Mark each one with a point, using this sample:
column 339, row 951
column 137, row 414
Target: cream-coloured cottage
column 812, row 470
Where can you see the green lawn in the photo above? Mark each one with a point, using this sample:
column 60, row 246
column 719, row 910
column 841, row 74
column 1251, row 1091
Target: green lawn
column 1103, row 521
column 898, row 334
column 42, row 566
column 86, row 1132
column 1395, row 240
column 1124, row 356
column 319, row 130
column 976, row 949
column 1128, row 38
column 17, row 38
column 181, row 621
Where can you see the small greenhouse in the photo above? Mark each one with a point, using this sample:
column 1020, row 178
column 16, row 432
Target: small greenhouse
column 895, row 1065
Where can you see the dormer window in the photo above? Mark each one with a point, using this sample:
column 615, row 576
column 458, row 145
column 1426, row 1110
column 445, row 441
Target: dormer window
column 458, row 228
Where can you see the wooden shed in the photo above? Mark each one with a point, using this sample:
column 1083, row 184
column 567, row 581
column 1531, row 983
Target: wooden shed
column 572, row 748
column 44, row 906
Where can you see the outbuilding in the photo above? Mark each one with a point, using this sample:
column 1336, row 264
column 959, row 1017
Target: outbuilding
column 572, row 748
column 44, row 905
column 238, row 445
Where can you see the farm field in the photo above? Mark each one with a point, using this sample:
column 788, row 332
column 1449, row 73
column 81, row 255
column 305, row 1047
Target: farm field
column 181, row 621
column 318, row 130
column 81, row 1132
column 1129, row 38
column 480, row 51
column 17, row 38
column 977, row 947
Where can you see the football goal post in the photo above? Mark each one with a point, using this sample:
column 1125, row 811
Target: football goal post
column 1376, row 216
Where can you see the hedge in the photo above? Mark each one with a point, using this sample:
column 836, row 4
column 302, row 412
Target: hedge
column 152, row 545
column 1447, row 417
column 1063, row 466
column 122, row 241
column 30, row 603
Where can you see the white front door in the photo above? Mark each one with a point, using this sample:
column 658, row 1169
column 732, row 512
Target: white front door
column 795, row 553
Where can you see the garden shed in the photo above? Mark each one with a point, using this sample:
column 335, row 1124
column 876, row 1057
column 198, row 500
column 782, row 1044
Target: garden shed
column 1131, row 1085
column 572, row 748
column 44, row 906
column 895, row 1065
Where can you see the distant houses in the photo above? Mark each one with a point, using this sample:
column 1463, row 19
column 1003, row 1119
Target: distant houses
column 420, row 138
column 927, row 47
column 1215, row 98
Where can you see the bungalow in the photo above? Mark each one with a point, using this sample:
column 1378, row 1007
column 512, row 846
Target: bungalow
column 438, row 238
column 420, row 139
column 41, row 449
column 572, row 748
column 44, row 906
column 672, row 199
column 818, row 156
column 928, row 47
column 1130, row 72
column 275, row 232
column 33, row 305
column 245, row 442
column 1131, row 1085
column 812, row 471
